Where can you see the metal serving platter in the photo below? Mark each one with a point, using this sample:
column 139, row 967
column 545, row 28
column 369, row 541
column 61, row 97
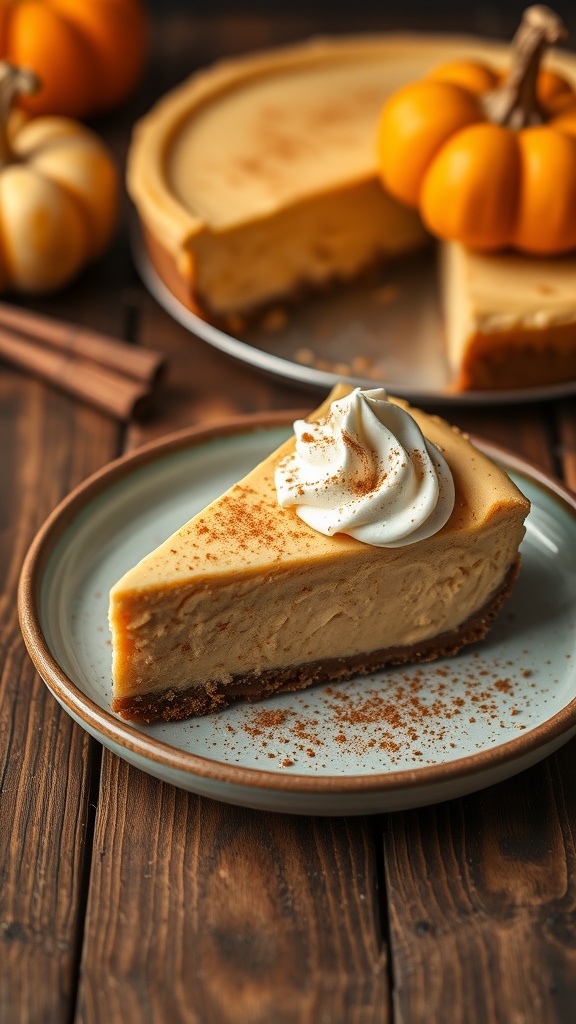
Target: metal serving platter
column 387, row 331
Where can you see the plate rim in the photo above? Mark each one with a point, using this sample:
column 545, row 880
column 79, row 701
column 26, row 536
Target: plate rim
column 104, row 723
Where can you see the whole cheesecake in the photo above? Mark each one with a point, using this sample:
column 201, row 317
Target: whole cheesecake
column 249, row 599
column 256, row 181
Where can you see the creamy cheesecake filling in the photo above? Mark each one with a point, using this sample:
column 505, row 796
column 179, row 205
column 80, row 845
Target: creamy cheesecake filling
column 257, row 686
column 314, row 613
column 336, row 235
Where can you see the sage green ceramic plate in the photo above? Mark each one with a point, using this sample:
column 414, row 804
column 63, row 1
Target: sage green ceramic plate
column 392, row 740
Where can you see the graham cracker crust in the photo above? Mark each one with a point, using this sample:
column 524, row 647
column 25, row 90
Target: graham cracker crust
column 171, row 705
column 521, row 359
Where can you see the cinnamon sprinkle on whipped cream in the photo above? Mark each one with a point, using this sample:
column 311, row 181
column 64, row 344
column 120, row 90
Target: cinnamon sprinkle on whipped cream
column 367, row 470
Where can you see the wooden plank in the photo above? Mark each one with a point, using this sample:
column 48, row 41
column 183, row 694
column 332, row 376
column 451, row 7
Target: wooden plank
column 48, row 766
column 482, row 898
column 47, row 445
column 566, row 442
column 203, row 912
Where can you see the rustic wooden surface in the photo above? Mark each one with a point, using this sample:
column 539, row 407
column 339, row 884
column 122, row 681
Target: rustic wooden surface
column 125, row 900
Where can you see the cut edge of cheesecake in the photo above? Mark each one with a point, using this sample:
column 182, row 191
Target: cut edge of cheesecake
column 342, row 238
column 214, row 696
column 189, row 641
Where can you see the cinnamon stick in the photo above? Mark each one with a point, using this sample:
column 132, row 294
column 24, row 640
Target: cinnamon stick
column 141, row 364
column 120, row 396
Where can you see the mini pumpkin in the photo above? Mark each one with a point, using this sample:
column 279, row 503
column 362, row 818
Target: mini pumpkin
column 489, row 162
column 88, row 54
column 58, row 193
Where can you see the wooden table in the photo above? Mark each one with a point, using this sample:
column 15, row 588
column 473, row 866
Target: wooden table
column 125, row 900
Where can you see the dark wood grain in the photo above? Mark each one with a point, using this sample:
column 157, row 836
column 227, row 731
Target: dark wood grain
column 203, row 912
column 565, row 447
column 45, row 761
column 482, row 897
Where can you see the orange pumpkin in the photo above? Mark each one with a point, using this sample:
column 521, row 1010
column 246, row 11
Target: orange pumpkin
column 489, row 162
column 88, row 54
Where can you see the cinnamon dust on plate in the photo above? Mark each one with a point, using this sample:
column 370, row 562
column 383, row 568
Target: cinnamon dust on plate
column 402, row 716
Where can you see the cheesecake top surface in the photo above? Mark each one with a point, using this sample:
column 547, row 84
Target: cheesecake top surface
column 246, row 532
column 295, row 132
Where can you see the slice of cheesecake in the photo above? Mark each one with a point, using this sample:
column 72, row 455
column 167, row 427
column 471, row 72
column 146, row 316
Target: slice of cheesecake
column 247, row 599
column 510, row 319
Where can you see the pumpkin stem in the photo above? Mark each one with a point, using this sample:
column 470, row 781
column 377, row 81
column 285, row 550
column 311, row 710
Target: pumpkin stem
column 514, row 104
column 14, row 82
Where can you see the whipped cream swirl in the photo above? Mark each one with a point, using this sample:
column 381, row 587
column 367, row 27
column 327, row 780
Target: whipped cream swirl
column 367, row 470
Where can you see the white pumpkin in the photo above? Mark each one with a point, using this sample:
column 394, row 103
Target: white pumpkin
column 58, row 194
